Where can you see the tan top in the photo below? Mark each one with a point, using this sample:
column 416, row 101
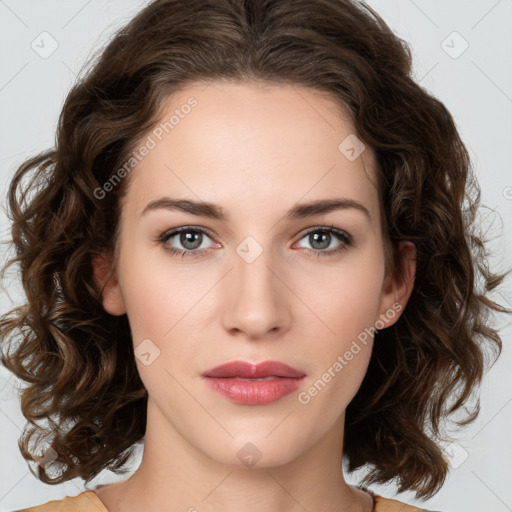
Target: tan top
column 88, row 501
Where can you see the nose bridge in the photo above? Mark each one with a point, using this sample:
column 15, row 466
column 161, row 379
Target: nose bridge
column 252, row 267
column 257, row 303
column 253, row 262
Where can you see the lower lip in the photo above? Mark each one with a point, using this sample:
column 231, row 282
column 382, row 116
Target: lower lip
column 254, row 392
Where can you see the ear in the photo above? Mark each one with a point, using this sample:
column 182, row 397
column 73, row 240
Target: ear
column 106, row 280
column 396, row 291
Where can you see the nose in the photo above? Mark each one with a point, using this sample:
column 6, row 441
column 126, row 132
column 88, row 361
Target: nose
column 257, row 298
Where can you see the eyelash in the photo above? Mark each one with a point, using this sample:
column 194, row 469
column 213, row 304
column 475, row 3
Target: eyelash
column 346, row 241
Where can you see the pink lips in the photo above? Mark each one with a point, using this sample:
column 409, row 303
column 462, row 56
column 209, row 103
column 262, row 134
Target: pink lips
column 230, row 381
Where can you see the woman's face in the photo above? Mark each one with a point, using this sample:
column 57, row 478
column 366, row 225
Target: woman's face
column 259, row 284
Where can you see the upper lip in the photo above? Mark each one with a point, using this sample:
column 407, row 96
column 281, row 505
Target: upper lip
column 247, row 370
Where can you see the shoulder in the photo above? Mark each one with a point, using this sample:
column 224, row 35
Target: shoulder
column 389, row 505
column 87, row 501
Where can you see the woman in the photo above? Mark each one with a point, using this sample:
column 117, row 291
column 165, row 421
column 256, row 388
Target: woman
column 249, row 251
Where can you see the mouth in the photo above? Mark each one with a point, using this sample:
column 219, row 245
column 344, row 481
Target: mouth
column 247, row 384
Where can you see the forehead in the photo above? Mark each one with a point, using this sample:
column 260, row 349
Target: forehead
column 252, row 143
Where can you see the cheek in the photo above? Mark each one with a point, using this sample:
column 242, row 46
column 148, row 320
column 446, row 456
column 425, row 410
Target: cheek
column 157, row 299
column 348, row 309
column 356, row 305
column 340, row 358
column 349, row 300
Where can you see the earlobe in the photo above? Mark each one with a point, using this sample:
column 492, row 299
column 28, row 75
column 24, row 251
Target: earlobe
column 397, row 291
column 108, row 284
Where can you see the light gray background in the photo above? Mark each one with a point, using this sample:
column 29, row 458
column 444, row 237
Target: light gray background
column 476, row 86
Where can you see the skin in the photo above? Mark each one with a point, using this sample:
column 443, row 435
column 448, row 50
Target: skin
column 256, row 150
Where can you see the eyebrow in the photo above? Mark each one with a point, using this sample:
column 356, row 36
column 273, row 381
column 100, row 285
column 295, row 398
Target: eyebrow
column 214, row 211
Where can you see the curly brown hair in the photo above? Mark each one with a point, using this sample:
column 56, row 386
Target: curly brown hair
column 80, row 370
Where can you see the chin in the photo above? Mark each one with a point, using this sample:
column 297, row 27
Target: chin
column 254, row 450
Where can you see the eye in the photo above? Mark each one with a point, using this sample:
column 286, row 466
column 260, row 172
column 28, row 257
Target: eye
column 191, row 238
column 321, row 237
